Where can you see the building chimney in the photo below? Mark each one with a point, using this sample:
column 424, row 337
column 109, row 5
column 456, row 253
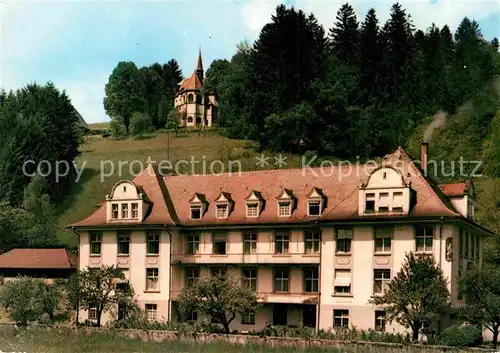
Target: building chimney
column 424, row 152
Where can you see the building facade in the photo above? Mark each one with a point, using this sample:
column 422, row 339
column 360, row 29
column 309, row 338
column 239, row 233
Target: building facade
column 316, row 244
column 197, row 107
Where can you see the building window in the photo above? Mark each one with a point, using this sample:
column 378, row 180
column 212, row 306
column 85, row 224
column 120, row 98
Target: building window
column 341, row 318
column 252, row 209
column 397, row 202
column 196, row 212
column 381, row 278
column 151, row 310
column 192, row 277
column 219, row 272
column 122, row 311
column 135, row 210
column 383, row 201
column 383, row 238
column 311, row 242
column 424, row 236
column 285, row 209
column 281, row 242
column 281, row 279
column 342, row 284
column 219, row 243
column 344, row 238
column 124, row 210
column 250, row 278
column 122, row 286
column 311, row 280
column 478, row 247
column 191, row 316
column 248, row 318
column 314, row 208
column 123, row 243
column 190, row 119
column 193, row 244
column 222, row 210
column 190, row 99
column 152, row 279
column 95, row 243
column 114, row 211
column 250, row 243
column 153, row 242
column 380, row 320
column 370, row 203
column 93, row 313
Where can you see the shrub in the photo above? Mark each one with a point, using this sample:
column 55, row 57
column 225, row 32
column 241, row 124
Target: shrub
column 140, row 124
column 23, row 300
column 116, row 128
column 462, row 336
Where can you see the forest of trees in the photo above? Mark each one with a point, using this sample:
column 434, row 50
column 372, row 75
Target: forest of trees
column 356, row 89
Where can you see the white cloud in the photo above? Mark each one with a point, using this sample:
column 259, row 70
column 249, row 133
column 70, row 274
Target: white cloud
column 257, row 13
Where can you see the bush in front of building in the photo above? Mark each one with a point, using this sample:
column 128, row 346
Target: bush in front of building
column 461, row 336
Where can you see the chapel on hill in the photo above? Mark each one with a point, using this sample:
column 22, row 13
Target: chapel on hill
column 199, row 108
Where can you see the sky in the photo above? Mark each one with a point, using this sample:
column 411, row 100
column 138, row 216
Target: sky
column 76, row 44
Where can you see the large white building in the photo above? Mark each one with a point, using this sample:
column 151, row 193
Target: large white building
column 314, row 244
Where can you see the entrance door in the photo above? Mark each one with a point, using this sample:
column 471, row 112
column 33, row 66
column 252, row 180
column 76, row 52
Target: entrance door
column 280, row 314
column 309, row 315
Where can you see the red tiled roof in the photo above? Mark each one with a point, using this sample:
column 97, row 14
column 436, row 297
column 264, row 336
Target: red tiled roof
column 38, row 258
column 456, row 189
column 170, row 195
column 191, row 83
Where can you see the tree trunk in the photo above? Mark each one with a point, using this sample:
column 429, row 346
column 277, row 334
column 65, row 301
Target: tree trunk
column 495, row 336
column 225, row 323
column 415, row 328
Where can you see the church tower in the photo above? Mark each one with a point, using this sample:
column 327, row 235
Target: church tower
column 199, row 67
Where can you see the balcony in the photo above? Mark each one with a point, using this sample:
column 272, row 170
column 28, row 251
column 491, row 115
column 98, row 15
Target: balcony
column 254, row 258
column 277, row 297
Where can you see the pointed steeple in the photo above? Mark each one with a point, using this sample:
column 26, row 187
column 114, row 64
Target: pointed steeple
column 199, row 66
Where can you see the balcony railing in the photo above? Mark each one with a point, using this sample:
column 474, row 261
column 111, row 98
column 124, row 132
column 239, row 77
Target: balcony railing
column 255, row 258
column 277, row 297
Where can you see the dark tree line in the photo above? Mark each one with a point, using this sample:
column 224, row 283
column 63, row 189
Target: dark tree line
column 360, row 89
column 148, row 91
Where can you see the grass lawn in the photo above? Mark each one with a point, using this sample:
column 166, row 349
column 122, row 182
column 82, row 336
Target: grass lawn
column 34, row 340
column 98, row 153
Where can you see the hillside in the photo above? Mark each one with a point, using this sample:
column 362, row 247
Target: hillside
column 98, row 154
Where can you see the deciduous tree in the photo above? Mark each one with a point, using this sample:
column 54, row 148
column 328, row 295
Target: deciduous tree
column 417, row 296
column 221, row 298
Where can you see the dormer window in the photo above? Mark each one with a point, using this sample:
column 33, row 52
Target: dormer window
column 126, row 203
column 223, row 205
column 195, row 211
column 314, row 208
column 254, row 204
column 114, row 211
column 315, row 203
column 285, row 208
column 222, row 210
column 198, row 204
column 286, row 203
column 252, row 209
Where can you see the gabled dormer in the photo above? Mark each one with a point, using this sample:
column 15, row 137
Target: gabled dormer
column 385, row 192
column 126, row 203
column 286, row 203
column 254, row 204
column 223, row 205
column 316, row 202
column 198, row 205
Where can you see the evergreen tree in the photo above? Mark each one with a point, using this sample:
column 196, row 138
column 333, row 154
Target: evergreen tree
column 370, row 55
column 344, row 36
column 153, row 93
